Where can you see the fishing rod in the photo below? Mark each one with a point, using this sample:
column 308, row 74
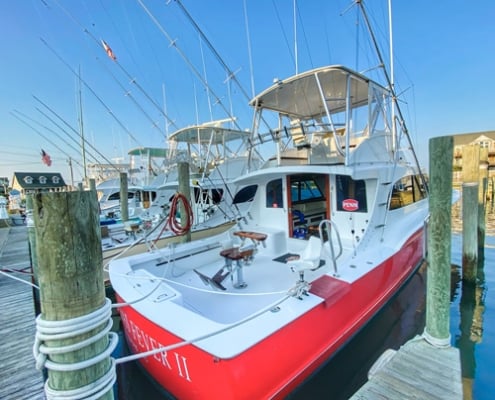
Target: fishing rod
column 39, row 133
column 93, row 92
column 128, row 94
column 173, row 43
column 110, row 54
column 230, row 74
column 52, row 131
column 63, row 130
column 390, row 84
column 73, row 130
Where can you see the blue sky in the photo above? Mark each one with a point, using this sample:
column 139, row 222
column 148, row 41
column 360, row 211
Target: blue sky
column 444, row 60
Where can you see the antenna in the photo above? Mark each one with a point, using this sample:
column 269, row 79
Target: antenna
column 295, row 35
column 394, row 129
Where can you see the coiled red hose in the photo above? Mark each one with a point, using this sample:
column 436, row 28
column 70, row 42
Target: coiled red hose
column 172, row 223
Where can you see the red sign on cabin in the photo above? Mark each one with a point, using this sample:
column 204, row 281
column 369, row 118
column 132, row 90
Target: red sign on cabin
column 350, row 205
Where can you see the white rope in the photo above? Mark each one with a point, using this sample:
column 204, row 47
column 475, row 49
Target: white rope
column 8, row 274
column 92, row 391
column 57, row 330
column 128, row 303
column 441, row 343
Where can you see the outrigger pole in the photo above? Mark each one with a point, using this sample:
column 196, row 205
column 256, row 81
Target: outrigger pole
column 392, row 90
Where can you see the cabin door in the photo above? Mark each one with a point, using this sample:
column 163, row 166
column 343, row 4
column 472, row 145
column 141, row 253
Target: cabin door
column 308, row 200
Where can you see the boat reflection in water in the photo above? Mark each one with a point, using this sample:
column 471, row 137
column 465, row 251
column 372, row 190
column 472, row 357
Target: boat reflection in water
column 470, row 303
column 467, row 311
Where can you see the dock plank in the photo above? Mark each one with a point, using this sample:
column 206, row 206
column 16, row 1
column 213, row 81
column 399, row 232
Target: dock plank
column 20, row 379
column 416, row 371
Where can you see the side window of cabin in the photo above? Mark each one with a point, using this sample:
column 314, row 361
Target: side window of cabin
column 216, row 195
column 274, row 197
column 351, row 194
column 406, row 191
column 245, row 194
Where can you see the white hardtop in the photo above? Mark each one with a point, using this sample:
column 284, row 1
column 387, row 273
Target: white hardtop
column 206, row 134
column 301, row 95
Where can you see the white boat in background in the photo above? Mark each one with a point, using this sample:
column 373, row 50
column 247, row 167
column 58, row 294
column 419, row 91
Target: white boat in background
column 213, row 165
column 144, row 174
column 336, row 227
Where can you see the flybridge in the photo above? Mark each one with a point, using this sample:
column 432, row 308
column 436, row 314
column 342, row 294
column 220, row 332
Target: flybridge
column 326, row 115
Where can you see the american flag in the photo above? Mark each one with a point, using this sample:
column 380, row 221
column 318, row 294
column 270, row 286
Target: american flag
column 45, row 158
column 108, row 50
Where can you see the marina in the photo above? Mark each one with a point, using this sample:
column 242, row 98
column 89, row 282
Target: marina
column 387, row 376
column 296, row 241
column 29, row 383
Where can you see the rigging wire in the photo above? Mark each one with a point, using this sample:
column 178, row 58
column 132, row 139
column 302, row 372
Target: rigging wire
column 14, row 114
column 50, row 130
column 230, row 74
column 283, row 32
column 94, row 93
column 306, row 42
column 128, row 94
column 63, row 130
column 173, row 43
column 73, row 130
column 250, row 56
column 206, row 79
column 392, row 90
column 132, row 79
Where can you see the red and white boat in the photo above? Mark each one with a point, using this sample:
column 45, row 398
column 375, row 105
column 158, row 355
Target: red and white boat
column 336, row 227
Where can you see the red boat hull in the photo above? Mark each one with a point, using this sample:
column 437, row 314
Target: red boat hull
column 277, row 365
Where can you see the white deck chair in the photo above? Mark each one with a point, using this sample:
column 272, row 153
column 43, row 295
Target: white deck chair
column 310, row 258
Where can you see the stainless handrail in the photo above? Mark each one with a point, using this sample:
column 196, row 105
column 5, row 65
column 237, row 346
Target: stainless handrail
column 330, row 225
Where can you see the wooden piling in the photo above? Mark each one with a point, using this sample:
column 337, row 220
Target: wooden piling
column 185, row 189
column 470, row 211
column 70, row 276
column 33, row 251
column 124, row 201
column 483, row 182
column 469, row 231
column 437, row 328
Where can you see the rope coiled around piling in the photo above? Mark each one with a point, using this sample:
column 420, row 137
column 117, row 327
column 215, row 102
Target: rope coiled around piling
column 47, row 331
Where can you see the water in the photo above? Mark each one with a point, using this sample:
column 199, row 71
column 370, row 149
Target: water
column 472, row 327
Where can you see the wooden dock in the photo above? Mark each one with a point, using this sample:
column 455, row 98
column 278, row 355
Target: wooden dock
column 416, row 371
column 18, row 375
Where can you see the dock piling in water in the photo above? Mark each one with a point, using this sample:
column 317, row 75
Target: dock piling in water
column 184, row 188
column 437, row 330
column 124, row 202
column 427, row 366
column 72, row 329
column 470, row 211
